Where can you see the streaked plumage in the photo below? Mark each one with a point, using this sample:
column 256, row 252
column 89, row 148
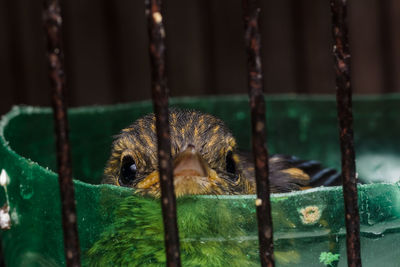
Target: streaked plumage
column 206, row 160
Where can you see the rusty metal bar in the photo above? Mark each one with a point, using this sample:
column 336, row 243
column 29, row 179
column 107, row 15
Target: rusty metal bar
column 2, row 261
column 52, row 24
column 341, row 53
column 255, row 83
column 160, row 103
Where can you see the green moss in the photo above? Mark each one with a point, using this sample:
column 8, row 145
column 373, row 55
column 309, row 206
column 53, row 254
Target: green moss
column 328, row 258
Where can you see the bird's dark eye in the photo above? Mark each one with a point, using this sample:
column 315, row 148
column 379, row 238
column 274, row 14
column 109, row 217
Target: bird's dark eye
column 128, row 171
column 230, row 163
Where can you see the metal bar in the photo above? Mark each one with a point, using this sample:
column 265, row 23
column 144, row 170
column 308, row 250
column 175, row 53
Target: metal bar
column 160, row 104
column 52, row 24
column 260, row 152
column 2, row 261
column 341, row 53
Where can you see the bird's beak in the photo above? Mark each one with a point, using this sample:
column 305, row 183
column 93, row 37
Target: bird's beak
column 190, row 163
column 192, row 175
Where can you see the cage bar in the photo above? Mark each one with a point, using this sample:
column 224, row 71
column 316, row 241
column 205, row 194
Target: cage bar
column 341, row 53
column 52, row 24
column 255, row 83
column 160, row 103
column 2, row 262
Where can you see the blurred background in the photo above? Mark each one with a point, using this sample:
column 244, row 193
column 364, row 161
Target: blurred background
column 107, row 56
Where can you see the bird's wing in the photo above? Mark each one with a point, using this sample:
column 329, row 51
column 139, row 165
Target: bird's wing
column 319, row 175
column 289, row 173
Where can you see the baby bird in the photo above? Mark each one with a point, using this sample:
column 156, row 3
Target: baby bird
column 206, row 160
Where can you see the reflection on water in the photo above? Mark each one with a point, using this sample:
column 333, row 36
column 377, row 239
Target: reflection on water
column 222, row 230
column 213, row 233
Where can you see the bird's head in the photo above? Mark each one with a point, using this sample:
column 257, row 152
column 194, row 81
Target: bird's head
column 203, row 151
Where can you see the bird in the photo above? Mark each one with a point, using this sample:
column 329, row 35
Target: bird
column 206, row 160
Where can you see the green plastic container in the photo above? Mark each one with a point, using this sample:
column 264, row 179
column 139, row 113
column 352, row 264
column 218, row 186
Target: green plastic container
column 117, row 227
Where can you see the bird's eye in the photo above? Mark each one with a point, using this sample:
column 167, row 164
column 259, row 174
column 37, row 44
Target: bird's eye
column 128, row 171
column 230, row 163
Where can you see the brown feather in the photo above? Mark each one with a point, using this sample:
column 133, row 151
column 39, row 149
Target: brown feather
column 212, row 141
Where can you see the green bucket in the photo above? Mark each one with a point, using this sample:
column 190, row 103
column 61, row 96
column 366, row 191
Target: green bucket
column 119, row 228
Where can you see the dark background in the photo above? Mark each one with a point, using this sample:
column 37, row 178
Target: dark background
column 107, row 55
